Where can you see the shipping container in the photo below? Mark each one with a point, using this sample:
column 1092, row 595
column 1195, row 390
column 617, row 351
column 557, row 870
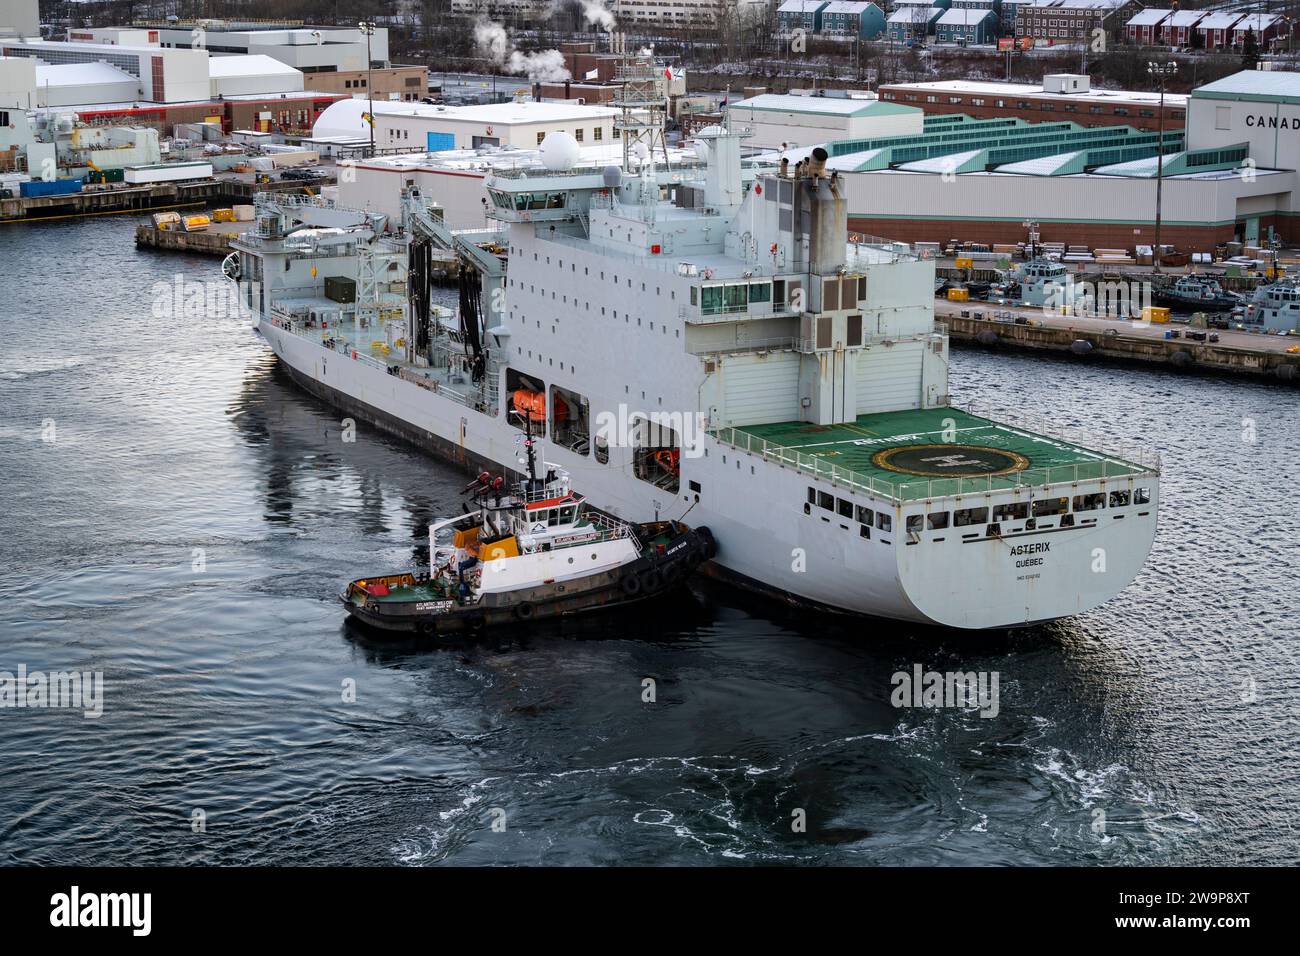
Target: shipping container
column 53, row 187
column 167, row 172
column 340, row 289
column 1155, row 313
column 99, row 176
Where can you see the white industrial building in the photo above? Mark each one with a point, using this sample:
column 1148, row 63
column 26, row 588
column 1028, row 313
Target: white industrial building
column 27, row 83
column 774, row 119
column 19, row 18
column 521, row 124
column 1259, row 107
column 114, row 36
column 309, row 49
column 82, row 73
column 254, row 75
column 163, row 76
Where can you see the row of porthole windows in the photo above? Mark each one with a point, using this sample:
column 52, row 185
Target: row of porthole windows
column 672, row 293
column 866, row 517
column 965, row 517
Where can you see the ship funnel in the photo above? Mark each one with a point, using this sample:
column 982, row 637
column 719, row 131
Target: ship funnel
column 785, row 167
column 722, row 182
column 817, row 164
column 829, row 228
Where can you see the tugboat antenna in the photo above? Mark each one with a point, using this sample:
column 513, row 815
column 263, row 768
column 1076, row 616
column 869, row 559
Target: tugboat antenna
column 532, row 454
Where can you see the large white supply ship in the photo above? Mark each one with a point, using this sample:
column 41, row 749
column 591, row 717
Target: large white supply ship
column 707, row 342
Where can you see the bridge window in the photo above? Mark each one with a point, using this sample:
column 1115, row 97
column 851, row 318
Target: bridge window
column 1118, row 499
column 1142, row 496
column 937, row 520
column 846, row 508
column 883, row 521
column 963, row 517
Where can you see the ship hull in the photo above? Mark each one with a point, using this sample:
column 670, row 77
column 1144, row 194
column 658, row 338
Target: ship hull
column 650, row 576
column 768, row 540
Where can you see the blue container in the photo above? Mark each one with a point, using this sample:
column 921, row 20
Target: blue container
column 55, row 187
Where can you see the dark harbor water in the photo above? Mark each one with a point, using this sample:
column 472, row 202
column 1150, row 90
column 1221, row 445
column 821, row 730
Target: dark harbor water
column 186, row 530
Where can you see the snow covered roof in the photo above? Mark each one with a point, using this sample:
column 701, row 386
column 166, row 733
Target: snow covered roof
column 1185, row 18
column 344, row 117
column 915, row 14
column 252, row 64
column 80, row 74
column 1148, row 18
column 1218, row 21
column 847, row 6
column 1257, row 22
column 965, row 17
column 827, row 105
column 801, row 6
column 1269, row 85
column 1043, row 165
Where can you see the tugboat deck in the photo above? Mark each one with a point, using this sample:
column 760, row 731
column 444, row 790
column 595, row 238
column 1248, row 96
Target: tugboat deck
column 853, row 447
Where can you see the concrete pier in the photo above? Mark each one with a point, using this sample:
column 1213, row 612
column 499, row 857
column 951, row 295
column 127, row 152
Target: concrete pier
column 1089, row 339
column 122, row 198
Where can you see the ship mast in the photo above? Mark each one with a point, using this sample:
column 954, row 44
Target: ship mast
column 642, row 100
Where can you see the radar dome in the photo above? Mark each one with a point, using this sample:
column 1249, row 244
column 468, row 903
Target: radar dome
column 559, row 151
column 613, row 176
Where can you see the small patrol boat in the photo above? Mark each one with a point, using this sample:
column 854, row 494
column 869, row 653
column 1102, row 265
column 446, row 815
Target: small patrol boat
column 531, row 552
column 1197, row 293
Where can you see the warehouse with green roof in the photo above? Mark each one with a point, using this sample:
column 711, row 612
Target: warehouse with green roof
column 1231, row 174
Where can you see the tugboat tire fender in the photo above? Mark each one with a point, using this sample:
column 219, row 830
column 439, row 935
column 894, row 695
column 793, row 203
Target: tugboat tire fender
column 652, row 580
column 631, row 585
column 524, row 611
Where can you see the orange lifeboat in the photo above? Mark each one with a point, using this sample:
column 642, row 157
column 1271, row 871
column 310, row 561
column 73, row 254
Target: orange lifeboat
column 533, row 404
column 670, row 460
column 530, row 404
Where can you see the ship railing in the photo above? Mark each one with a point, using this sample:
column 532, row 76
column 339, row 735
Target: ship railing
column 605, row 530
column 611, row 528
column 784, row 343
column 925, row 488
column 797, row 344
column 470, row 398
column 1145, row 457
column 894, row 250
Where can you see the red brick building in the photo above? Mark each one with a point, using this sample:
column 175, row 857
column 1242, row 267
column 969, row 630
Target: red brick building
column 1085, row 106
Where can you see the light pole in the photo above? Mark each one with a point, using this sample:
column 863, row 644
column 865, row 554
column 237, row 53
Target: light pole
column 1160, row 71
column 368, row 28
